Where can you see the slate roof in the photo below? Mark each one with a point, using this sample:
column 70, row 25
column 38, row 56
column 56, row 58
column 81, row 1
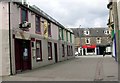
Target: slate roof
column 94, row 32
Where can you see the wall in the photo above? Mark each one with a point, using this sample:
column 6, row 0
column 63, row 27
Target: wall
column 15, row 21
column 1, row 39
column 54, row 31
column 5, row 39
column 93, row 40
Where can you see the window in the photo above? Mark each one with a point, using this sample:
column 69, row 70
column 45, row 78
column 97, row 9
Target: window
column 37, row 24
column 38, row 50
column 60, row 34
column 86, row 32
column 49, row 51
column 87, row 40
column 89, row 50
column 71, row 51
column 49, row 29
column 68, row 50
column 106, row 32
column 98, row 40
column 66, row 35
column 70, row 37
column 24, row 15
column 63, row 50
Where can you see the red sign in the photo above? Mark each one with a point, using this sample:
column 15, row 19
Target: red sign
column 89, row 46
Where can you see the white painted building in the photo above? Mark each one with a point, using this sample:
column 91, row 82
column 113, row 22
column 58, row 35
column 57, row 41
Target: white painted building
column 31, row 39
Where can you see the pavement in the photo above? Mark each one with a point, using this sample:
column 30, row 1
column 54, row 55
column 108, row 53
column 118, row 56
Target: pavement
column 83, row 68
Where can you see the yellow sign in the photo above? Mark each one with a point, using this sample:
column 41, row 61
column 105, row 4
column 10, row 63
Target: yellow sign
column 45, row 29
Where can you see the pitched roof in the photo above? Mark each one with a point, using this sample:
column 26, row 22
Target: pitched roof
column 94, row 32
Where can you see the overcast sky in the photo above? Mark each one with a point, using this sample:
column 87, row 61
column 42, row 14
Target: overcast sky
column 73, row 13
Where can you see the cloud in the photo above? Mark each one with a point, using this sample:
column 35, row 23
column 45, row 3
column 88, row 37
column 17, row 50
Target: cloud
column 72, row 13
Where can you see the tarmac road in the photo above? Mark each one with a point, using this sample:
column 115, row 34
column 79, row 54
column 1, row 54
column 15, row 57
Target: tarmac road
column 91, row 68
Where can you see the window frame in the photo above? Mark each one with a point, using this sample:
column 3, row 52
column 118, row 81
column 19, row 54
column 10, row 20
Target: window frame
column 49, row 29
column 40, row 50
column 26, row 17
column 63, row 50
column 86, row 32
column 50, row 55
column 98, row 40
column 37, row 24
column 88, row 40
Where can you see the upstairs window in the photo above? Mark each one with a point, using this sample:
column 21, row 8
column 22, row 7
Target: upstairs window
column 86, row 32
column 49, row 29
column 62, row 34
column 70, row 37
column 37, row 24
column 24, row 15
column 87, row 40
column 106, row 32
column 66, row 36
column 98, row 40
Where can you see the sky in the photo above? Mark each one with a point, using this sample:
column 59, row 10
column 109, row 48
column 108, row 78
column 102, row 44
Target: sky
column 75, row 13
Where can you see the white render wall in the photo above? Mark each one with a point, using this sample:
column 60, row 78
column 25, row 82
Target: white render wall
column 5, row 39
column 0, row 39
column 15, row 21
column 54, row 31
column 118, row 8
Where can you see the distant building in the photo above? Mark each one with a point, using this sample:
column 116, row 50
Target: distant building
column 30, row 38
column 92, row 41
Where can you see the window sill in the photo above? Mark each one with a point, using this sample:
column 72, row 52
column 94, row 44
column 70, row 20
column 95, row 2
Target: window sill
column 39, row 60
column 38, row 33
column 50, row 59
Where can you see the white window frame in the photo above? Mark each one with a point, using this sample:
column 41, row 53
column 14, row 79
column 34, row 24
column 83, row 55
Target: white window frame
column 98, row 41
column 88, row 40
column 106, row 32
column 87, row 32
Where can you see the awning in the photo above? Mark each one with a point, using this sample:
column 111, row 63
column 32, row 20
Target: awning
column 89, row 46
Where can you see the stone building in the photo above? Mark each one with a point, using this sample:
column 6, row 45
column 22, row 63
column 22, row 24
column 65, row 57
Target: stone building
column 93, row 41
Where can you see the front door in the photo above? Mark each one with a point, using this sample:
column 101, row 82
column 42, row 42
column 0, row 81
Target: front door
column 22, row 55
column 55, row 50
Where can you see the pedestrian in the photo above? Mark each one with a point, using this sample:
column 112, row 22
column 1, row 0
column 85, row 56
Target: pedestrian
column 103, row 53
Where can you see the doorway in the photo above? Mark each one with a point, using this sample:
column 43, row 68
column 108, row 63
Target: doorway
column 22, row 55
column 55, row 50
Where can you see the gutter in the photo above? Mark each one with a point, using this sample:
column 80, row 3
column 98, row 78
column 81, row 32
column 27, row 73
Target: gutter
column 11, row 73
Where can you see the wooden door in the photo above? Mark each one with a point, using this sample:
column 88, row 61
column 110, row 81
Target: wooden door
column 22, row 55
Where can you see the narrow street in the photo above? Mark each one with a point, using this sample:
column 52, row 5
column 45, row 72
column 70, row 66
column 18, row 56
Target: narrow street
column 79, row 69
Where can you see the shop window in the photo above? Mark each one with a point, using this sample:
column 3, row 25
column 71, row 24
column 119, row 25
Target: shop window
column 49, row 51
column 89, row 50
column 38, row 50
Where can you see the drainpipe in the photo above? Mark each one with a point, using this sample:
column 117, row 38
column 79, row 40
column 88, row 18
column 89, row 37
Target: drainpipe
column 10, row 39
